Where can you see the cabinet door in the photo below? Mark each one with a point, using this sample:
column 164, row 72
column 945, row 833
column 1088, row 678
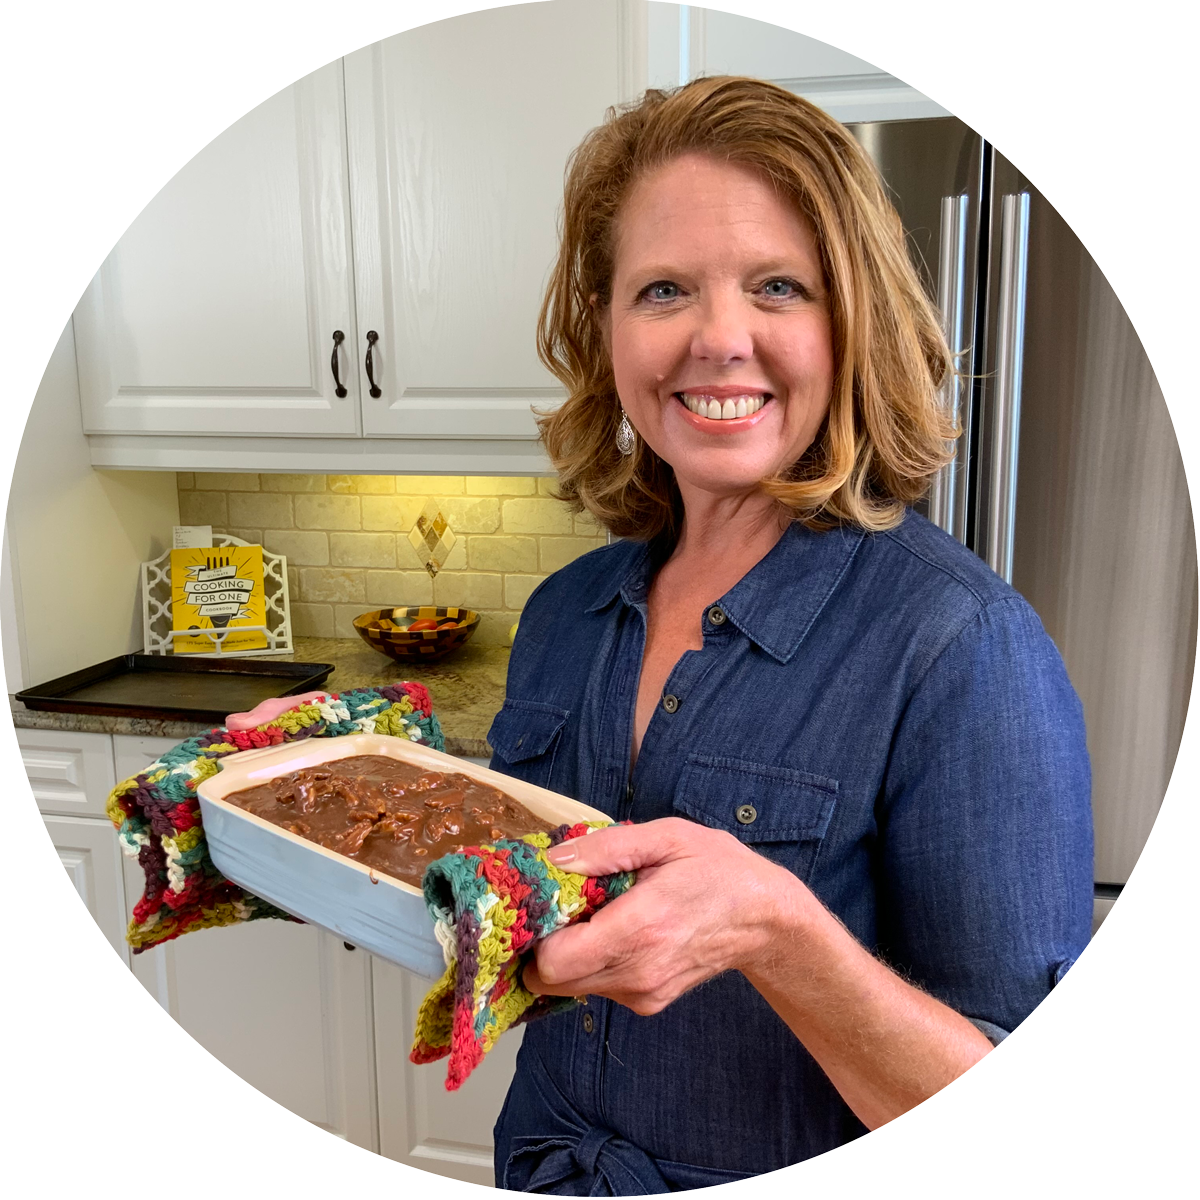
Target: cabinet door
column 71, row 774
column 91, row 856
column 420, row 1123
column 215, row 312
column 286, row 1006
column 459, row 132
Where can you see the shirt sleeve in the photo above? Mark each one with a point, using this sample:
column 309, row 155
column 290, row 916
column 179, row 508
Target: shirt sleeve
column 985, row 823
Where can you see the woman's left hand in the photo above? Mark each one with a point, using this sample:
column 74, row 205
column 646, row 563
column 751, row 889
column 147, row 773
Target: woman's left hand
column 268, row 710
column 701, row 905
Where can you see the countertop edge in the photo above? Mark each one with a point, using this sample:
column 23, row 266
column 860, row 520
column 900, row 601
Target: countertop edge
column 28, row 718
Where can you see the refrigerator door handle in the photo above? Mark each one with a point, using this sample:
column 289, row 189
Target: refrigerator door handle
column 1010, row 354
column 948, row 494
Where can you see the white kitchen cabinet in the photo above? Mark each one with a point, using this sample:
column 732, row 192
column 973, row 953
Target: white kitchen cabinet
column 213, row 317
column 459, row 132
column 92, row 858
column 286, row 1006
column 321, row 1028
column 71, row 774
column 420, row 1123
column 215, row 313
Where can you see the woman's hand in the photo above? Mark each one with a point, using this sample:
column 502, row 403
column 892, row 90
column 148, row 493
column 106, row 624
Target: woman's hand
column 704, row 903
column 700, row 907
column 267, row 710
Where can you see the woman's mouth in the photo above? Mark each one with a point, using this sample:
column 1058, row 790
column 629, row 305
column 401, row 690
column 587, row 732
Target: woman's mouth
column 723, row 407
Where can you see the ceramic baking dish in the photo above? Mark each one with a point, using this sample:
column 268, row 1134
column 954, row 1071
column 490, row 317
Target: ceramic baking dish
column 363, row 907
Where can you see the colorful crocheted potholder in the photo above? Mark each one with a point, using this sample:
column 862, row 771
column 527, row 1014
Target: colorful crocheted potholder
column 157, row 813
column 490, row 903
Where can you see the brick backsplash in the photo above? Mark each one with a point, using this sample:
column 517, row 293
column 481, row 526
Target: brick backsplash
column 347, row 547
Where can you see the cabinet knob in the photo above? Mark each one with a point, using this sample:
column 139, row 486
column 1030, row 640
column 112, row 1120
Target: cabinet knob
column 372, row 338
column 339, row 389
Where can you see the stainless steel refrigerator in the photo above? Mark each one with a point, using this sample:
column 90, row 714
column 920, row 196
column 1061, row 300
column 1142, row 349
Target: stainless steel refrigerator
column 1067, row 479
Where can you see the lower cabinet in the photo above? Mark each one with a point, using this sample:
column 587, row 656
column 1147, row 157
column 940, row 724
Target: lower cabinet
column 420, row 1123
column 93, row 861
column 287, row 1007
column 321, row 1028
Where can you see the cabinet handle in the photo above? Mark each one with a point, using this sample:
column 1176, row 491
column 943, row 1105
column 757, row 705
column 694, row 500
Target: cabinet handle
column 339, row 389
column 372, row 338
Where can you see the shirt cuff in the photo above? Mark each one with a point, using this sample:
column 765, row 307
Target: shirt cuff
column 993, row 1033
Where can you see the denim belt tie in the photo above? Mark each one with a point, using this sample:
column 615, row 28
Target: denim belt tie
column 598, row 1163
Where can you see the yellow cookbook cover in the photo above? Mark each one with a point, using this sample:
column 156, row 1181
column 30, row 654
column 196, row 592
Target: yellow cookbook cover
column 217, row 587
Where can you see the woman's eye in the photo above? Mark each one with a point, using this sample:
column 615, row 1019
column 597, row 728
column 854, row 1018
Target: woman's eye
column 662, row 291
column 781, row 289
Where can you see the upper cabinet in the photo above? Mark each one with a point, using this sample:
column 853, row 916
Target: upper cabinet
column 401, row 203
column 459, row 133
column 216, row 311
column 351, row 274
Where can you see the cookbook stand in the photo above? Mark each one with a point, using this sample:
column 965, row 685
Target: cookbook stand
column 156, row 607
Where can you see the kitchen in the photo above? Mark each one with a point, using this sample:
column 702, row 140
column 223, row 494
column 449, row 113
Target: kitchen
column 133, row 434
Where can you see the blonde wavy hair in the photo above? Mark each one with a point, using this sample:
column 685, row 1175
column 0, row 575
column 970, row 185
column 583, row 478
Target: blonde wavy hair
column 886, row 433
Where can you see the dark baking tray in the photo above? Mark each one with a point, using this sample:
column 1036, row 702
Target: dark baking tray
column 168, row 688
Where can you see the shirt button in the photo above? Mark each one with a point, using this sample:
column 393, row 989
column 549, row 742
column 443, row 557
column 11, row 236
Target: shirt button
column 671, row 703
column 747, row 814
column 716, row 616
column 589, row 1022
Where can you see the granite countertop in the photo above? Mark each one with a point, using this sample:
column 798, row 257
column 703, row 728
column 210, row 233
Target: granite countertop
column 467, row 690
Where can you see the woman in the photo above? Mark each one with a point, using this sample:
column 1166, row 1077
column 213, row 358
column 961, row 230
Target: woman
column 854, row 764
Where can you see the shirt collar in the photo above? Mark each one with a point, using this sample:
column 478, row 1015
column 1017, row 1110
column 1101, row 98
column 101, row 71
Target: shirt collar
column 629, row 578
column 776, row 603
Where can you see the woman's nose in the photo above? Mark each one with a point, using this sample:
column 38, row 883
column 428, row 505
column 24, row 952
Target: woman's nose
column 724, row 332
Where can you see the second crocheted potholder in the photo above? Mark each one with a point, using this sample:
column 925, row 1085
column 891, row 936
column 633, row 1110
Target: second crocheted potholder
column 157, row 813
column 490, row 903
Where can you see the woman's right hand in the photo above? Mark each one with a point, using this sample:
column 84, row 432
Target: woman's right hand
column 268, row 710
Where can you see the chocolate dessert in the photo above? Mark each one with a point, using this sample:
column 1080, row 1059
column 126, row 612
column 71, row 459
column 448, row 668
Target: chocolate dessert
column 386, row 814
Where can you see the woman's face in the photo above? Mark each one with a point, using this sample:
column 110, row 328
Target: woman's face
column 719, row 326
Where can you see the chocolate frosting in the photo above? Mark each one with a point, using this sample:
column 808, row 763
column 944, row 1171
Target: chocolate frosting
column 387, row 814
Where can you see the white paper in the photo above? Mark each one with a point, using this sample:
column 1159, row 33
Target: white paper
column 189, row 536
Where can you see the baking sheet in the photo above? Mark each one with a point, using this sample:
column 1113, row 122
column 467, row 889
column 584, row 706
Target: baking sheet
column 160, row 687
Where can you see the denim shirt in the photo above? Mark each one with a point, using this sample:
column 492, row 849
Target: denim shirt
column 879, row 713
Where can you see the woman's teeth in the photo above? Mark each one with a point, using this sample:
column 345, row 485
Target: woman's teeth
column 724, row 410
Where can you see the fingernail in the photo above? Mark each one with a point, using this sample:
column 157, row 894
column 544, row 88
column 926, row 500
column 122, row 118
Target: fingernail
column 562, row 854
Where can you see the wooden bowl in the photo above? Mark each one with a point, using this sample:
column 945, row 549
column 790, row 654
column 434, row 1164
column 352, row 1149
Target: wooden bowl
column 380, row 630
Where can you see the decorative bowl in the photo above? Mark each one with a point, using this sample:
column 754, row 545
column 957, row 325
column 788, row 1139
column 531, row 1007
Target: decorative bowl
column 380, row 630
column 363, row 907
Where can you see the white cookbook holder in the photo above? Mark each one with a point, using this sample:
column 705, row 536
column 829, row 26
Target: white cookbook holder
column 156, row 607
column 362, row 906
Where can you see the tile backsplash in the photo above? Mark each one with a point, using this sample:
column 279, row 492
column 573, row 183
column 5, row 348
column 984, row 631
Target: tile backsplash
column 346, row 538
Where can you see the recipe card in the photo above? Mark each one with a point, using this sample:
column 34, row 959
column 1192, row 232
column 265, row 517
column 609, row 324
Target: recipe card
column 217, row 588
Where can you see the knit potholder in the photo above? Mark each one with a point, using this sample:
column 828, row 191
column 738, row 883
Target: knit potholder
column 157, row 812
column 490, row 904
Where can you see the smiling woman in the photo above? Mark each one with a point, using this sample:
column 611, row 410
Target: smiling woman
column 774, row 203
column 853, row 762
column 719, row 324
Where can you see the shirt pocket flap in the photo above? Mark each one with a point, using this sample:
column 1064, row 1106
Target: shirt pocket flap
column 524, row 729
column 756, row 802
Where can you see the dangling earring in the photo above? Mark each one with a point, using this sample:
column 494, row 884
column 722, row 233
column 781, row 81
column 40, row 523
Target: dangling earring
column 625, row 436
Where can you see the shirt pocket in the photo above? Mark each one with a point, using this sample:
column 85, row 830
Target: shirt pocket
column 525, row 737
column 779, row 811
